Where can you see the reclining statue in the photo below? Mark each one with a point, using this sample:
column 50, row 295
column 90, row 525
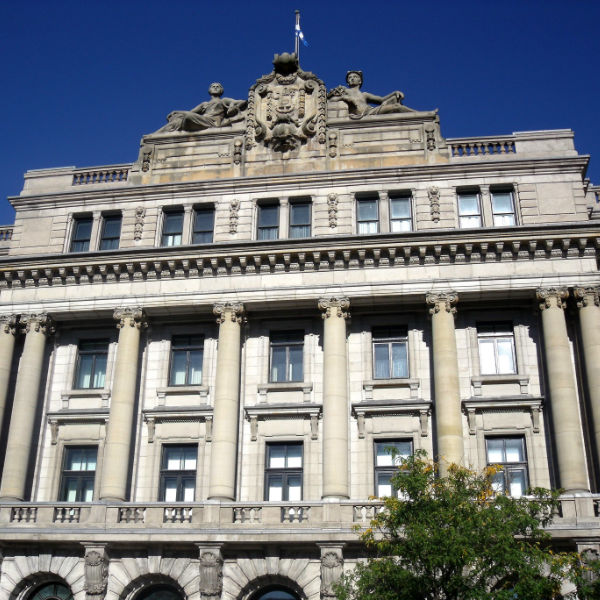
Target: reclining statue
column 359, row 102
column 216, row 112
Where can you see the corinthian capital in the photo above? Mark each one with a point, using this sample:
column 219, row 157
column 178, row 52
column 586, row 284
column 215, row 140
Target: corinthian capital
column 235, row 310
column 587, row 296
column 552, row 296
column 40, row 322
column 442, row 300
column 8, row 323
column 335, row 305
column 134, row 316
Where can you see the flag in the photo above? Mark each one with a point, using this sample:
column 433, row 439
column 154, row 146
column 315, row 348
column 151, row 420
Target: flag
column 300, row 35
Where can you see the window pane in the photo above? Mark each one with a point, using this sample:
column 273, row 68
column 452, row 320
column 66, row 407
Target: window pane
column 399, row 360
column 195, row 374
column 99, row 371
column 383, row 457
column 87, row 492
column 401, row 225
column 384, row 485
column 173, row 223
column 278, row 356
column 300, row 231
column 173, row 458
column 70, row 490
column 468, row 204
column 487, row 357
column 516, row 482
column 506, row 359
column 84, row 376
column 178, row 366
column 502, row 202
column 295, row 367
column 382, row 361
column 514, row 450
column 189, row 458
column 90, row 459
column 170, row 489
column 268, row 233
column 498, row 483
column 400, row 208
column 112, row 227
column 504, row 220
column 367, row 227
column 294, row 456
column 188, row 490
column 268, row 215
column 367, row 210
column 294, row 488
column 300, row 214
column 204, row 220
column 275, row 490
column 466, row 222
column 276, row 457
column 495, row 451
column 403, row 450
column 109, row 243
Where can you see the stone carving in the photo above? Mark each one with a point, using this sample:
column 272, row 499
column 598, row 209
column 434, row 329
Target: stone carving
column 333, row 144
column 434, row 201
column 132, row 316
column 430, row 133
column 589, row 296
column 339, row 305
column 96, row 575
column 38, row 322
column 552, row 296
column 332, row 208
column 590, row 557
column 286, row 107
column 9, row 323
column 331, row 570
column 211, row 573
column 359, row 102
column 138, row 228
column 234, row 215
column 216, row 112
column 237, row 151
column 146, row 157
column 442, row 299
column 235, row 310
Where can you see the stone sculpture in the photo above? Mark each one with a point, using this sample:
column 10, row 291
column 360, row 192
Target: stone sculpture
column 359, row 102
column 216, row 112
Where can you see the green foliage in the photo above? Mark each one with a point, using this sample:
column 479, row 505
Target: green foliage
column 453, row 538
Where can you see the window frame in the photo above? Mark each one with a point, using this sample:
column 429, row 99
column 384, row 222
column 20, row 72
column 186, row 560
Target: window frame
column 104, row 238
column 86, row 241
column 260, row 229
column 503, row 190
column 79, row 476
column 388, row 470
column 166, row 236
column 176, row 346
column 363, row 199
column 501, row 331
column 509, row 467
column 461, row 216
column 401, row 196
column 284, row 472
column 95, row 353
column 395, row 335
column 293, row 204
column 288, row 339
column 181, row 475
column 196, row 231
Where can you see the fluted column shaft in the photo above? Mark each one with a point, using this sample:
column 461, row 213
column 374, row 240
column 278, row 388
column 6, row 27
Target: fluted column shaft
column 335, row 398
column 589, row 319
column 227, row 402
column 24, row 411
column 117, row 449
column 448, row 416
column 568, row 435
column 8, row 331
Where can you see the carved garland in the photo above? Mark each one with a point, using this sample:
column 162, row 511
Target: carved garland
column 332, row 207
column 140, row 213
column 234, row 209
column 433, row 193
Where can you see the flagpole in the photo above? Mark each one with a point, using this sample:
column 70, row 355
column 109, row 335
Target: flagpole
column 296, row 37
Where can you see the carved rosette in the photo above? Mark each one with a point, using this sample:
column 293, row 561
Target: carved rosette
column 211, row 573
column 132, row 316
column 96, row 575
column 9, row 324
column 588, row 296
column 138, row 229
column 442, row 300
column 338, row 306
column 41, row 322
column 433, row 193
column 332, row 565
column 552, row 297
column 332, row 208
column 235, row 310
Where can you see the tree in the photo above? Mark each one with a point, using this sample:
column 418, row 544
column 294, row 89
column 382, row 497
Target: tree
column 454, row 538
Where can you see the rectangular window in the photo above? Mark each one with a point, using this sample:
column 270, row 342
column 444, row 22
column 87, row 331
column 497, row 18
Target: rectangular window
column 283, row 475
column 496, row 349
column 268, row 222
column 79, row 471
column 400, row 212
column 82, row 231
column 178, row 473
column 172, row 228
column 503, row 208
column 469, row 209
column 91, row 364
column 300, row 219
column 204, row 222
column 187, row 352
column 286, row 356
column 509, row 453
column 111, row 232
column 388, row 455
column 390, row 353
column 367, row 214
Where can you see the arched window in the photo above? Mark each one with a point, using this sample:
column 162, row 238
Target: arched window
column 275, row 593
column 160, row 592
column 51, row 591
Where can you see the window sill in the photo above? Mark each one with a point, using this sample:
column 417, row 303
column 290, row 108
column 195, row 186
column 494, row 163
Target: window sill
column 405, row 382
column 285, row 386
column 480, row 380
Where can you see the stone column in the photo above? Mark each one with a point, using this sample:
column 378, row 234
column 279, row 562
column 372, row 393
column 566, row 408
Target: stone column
column 335, row 398
column 227, row 402
column 8, row 331
column 568, row 435
column 117, row 449
column 448, row 415
column 24, row 411
column 589, row 319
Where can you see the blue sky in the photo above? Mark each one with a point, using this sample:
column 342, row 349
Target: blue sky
column 83, row 81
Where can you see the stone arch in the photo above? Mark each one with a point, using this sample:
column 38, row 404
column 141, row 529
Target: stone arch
column 136, row 588
column 267, row 582
column 33, row 582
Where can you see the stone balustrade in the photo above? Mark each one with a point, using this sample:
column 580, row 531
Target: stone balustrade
column 6, row 232
column 482, row 147
column 113, row 174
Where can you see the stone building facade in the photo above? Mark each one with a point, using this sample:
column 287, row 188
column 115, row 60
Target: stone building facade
column 206, row 355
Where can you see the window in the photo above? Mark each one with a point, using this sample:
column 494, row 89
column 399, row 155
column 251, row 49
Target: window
column 178, row 474
column 400, row 212
column 367, row 214
column 111, row 232
column 91, row 364
column 509, row 453
column 283, row 475
column 52, row 591
column 300, row 219
column 286, row 356
column 268, row 222
column 79, row 471
column 82, row 231
column 388, row 455
column 172, row 228
column 186, row 360
column 503, row 208
column 390, row 353
column 204, row 222
column 469, row 209
column 496, row 349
